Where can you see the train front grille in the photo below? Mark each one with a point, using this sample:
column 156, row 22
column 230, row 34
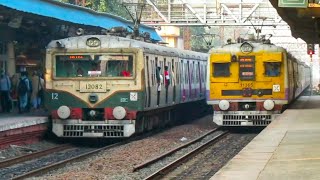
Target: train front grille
column 80, row 130
column 257, row 120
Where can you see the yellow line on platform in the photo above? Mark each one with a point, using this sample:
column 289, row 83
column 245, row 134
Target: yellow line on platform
column 301, row 159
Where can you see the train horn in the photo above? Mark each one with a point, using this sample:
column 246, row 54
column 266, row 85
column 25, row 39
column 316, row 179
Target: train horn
column 80, row 31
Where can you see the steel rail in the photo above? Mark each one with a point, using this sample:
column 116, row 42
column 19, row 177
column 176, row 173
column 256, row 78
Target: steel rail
column 148, row 162
column 16, row 160
column 62, row 163
column 57, row 165
column 165, row 170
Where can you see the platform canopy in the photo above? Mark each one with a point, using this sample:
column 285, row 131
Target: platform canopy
column 74, row 14
column 302, row 16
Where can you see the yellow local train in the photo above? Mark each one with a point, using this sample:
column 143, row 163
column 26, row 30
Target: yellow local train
column 251, row 83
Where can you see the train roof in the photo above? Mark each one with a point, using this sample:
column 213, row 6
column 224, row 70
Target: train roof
column 257, row 46
column 108, row 41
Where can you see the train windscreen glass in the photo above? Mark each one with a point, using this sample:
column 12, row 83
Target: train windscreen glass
column 105, row 65
column 272, row 69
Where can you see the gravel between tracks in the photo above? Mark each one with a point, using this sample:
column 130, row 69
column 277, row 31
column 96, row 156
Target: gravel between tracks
column 207, row 163
column 117, row 163
column 14, row 150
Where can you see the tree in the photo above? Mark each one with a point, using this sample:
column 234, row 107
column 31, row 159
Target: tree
column 109, row 6
column 198, row 44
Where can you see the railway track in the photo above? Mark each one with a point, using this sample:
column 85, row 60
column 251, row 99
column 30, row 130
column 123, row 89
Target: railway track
column 81, row 155
column 205, row 141
column 21, row 167
column 12, row 161
column 221, row 147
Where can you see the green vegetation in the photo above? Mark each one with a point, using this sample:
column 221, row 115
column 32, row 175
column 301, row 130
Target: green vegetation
column 109, row 6
column 198, row 43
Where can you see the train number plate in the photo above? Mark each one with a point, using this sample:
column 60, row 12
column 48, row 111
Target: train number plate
column 93, row 86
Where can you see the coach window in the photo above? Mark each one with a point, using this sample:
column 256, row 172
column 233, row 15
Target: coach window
column 94, row 65
column 272, row 69
column 221, row 69
column 119, row 66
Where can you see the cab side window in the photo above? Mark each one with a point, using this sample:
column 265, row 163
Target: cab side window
column 221, row 69
column 272, row 69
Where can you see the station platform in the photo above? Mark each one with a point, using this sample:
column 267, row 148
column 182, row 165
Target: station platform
column 20, row 129
column 288, row 148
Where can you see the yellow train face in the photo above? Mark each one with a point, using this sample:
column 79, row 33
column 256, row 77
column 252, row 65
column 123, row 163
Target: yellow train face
column 258, row 75
column 251, row 76
column 247, row 77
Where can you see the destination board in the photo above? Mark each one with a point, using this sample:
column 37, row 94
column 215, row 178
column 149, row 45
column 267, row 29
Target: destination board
column 74, row 57
column 293, row 3
column 314, row 5
column 247, row 68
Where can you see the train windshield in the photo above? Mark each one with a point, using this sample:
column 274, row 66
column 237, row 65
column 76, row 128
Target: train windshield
column 106, row 65
column 272, row 69
column 221, row 69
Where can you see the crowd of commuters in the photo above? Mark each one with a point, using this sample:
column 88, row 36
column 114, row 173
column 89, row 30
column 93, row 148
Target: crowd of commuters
column 22, row 94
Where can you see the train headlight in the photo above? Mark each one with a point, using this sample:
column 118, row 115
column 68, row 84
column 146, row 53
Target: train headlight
column 268, row 104
column 93, row 42
column 224, row 105
column 92, row 113
column 119, row 112
column 63, row 112
column 246, row 47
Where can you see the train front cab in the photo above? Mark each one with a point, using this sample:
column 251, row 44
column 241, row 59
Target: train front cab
column 89, row 105
column 241, row 89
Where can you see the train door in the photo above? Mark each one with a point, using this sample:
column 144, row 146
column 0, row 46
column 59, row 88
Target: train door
column 179, row 80
column 196, row 80
column 290, row 79
column 175, row 80
column 193, row 84
column 189, row 75
column 186, row 83
column 169, row 89
column 161, row 88
column 183, row 90
column 148, row 77
column 295, row 79
column 201, row 79
column 200, row 85
column 299, row 78
column 153, row 82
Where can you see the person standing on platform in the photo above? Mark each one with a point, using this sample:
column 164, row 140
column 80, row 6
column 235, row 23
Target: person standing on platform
column 37, row 83
column 23, row 90
column 29, row 92
column 5, row 87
